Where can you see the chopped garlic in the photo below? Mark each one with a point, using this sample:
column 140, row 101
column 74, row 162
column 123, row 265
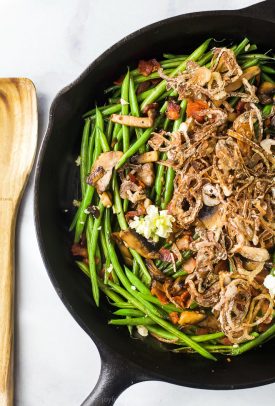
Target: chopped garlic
column 78, row 161
column 142, row 331
column 76, row 203
column 269, row 283
column 154, row 225
column 86, row 211
column 123, row 102
column 133, row 287
column 110, row 268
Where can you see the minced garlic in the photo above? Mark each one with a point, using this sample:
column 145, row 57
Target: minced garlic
column 154, row 225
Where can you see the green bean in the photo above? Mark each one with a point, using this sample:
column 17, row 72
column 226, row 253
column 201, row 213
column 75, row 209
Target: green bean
column 82, row 216
column 241, row 47
column 257, row 56
column 155, row 75
column 136, row 282
column 125, row 110
column 199, row 338
column 128, row 312
column 106, row 111
column 254, row 343
column 138, row 321
column 105, row 289
column 135, row 110
column 110, row 127
column 249, row 63
column 167, row 307
column 179, row 273
column 103, row 140
column 268, row 69
column 92, row 237
column 163, row 323
column 123, row 225
column 135, row 268
column 267, row 78
column 123, row 305
column 170, row 174
column 84, row 156
column 91, row 148
column 267, row 110
column 160, row 88
column 173, row 56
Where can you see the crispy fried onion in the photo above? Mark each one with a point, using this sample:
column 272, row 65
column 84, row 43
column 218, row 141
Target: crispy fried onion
column 241, row 307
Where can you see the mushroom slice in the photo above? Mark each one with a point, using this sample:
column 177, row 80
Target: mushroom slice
column 132, row 121
column 191, row 317
column 155, row 273
column 106, row 199
column 253, row 253
column 266, row 93
column 123, row 249
column 105, row 162
column 210, row 195
column 146, row 175
column 140, row 244
column 248, row 74
column 146, row 157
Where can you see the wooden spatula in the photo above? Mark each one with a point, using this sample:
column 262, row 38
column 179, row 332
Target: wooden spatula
column 18, row 137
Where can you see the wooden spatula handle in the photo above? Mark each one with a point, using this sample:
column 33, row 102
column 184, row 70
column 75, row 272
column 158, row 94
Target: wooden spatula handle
column 7, row 229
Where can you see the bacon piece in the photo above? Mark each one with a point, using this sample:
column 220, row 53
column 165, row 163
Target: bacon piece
column 173, row 110
column 156, row 290
column 190, row 265
column 145, row 68
column 142, row 87
column 79, row 251
column 152, row 106
column 174, row 317
column 194, row 109
column 166, row 255
column 119, row 80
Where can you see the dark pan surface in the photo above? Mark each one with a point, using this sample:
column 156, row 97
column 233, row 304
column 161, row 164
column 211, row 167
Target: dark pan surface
column 56, row 186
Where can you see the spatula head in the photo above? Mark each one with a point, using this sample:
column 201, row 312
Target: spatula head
column 18, row 135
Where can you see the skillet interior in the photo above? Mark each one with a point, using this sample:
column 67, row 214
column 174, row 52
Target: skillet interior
column 56, row 186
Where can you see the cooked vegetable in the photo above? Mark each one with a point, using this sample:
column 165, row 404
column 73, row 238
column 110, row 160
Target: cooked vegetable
column 176, row 223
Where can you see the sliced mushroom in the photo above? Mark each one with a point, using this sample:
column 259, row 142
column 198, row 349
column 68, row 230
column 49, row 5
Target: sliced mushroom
column 191, row 317
column 95, row 175
column 106, row 199
column 151, row 156
column 210, row 195
column 106, row 161
column 137, row 242
column 132, row 121
column 248, row 74
column 146, row 174
column 123, row 249
column 253, row 253
column 155, row 273
column 266, row 93
column 211, row 217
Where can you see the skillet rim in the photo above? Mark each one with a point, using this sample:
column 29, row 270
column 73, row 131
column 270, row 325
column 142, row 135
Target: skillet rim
column 103, row 347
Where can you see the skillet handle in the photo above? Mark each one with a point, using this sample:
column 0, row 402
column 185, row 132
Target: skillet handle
column 116, row 375
column 264, row 9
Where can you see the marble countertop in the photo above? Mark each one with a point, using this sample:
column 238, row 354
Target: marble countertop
column 52, row 42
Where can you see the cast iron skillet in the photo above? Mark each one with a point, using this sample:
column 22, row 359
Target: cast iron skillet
column 126, row 361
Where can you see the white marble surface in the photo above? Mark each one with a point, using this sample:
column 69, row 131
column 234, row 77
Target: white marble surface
column 51, row 42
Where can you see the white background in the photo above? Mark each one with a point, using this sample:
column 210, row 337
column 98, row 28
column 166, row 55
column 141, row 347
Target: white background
column 51, row 42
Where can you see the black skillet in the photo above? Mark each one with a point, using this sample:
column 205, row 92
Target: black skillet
column 126, row 361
